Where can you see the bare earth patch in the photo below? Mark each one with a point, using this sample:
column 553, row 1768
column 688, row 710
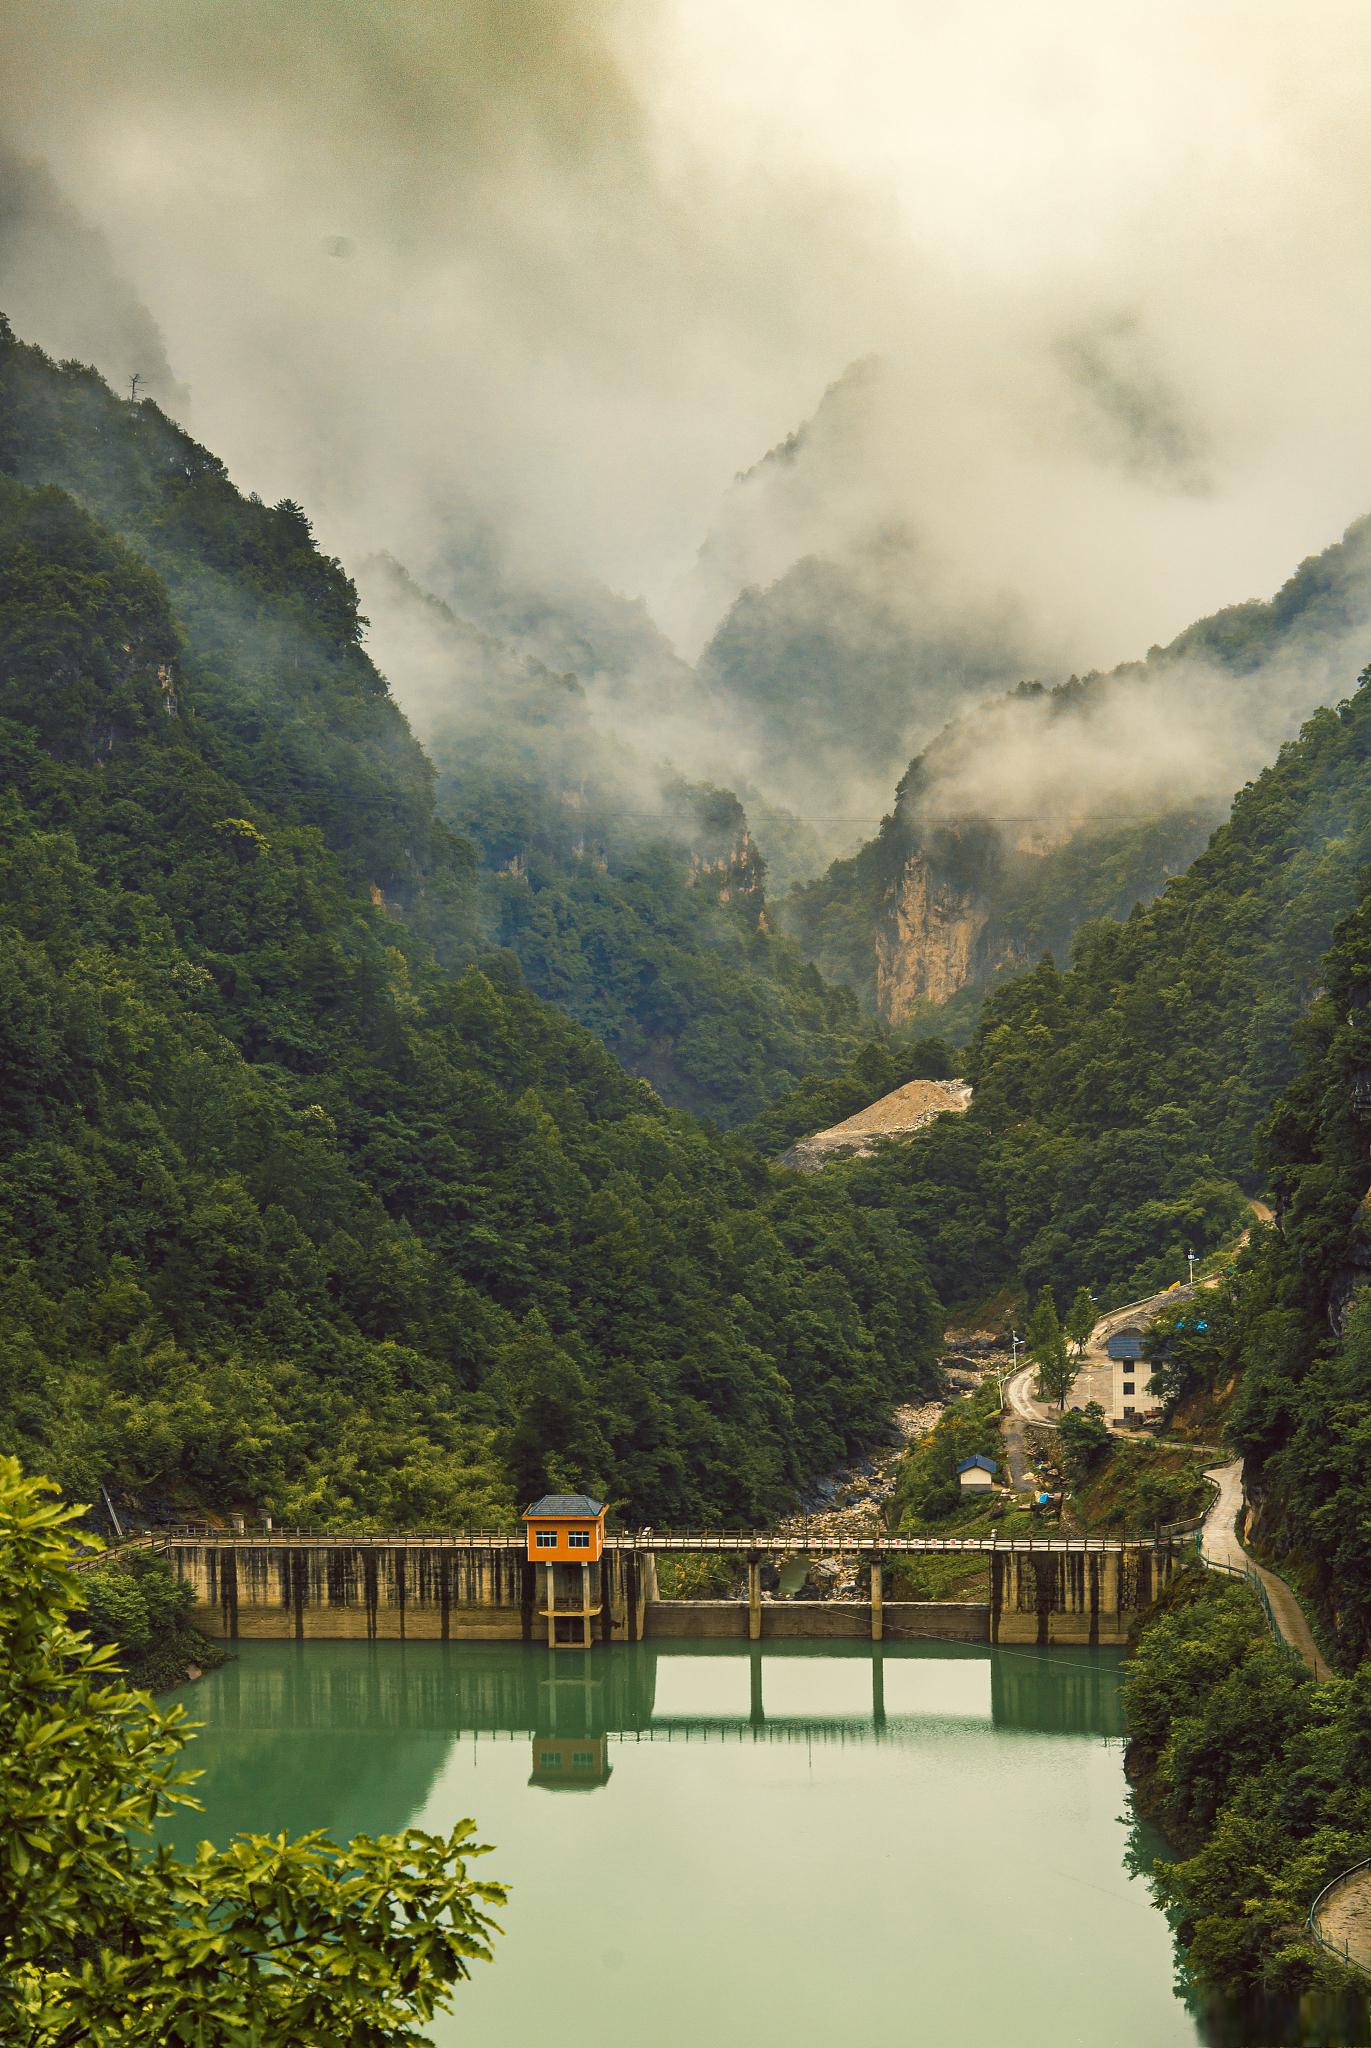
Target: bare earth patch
column 897, row 1115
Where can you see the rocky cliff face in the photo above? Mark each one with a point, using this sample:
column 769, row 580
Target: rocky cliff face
column 933, row 937
column 926, row 941
column 733, row 871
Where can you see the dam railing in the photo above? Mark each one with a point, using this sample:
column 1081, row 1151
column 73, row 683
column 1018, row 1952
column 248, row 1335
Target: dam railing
column 786, row 1536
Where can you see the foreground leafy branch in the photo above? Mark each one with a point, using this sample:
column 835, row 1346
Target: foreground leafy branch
column 109, row 1939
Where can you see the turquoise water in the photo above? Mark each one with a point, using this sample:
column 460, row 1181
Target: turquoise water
column 802, row 1843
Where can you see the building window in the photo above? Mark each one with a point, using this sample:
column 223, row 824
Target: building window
column 582, row 1759
column 578, row 1539
column 1126, row 1413
column 1128, row 1386
column 546, row 1539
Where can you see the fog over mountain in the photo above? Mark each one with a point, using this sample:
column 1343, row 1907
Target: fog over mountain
column 522, row 293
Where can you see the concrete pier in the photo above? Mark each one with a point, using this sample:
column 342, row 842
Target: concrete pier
column 1074, row 1596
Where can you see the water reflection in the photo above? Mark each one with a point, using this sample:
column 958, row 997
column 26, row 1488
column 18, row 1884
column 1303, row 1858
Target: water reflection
column 571, row 1734
column 392, row 1712
column 742, row 1777
column 649, row 1691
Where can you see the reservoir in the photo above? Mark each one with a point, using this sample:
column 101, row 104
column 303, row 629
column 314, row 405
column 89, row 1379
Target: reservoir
column 717, row 1843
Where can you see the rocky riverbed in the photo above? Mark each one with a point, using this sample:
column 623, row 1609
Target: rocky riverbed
column 854, row 1503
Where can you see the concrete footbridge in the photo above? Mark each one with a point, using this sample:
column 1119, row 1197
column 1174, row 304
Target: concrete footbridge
column 495, row 1585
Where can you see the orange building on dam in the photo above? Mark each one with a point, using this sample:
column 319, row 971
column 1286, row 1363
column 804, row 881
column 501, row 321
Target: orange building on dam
column 566, row 1530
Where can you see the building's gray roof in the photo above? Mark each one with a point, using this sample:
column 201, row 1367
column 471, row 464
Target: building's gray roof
column 558, row 1505
column 1126, row 1343
column 969, row 1464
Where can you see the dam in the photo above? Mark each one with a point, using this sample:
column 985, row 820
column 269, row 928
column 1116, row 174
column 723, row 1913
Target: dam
column 482, row 1586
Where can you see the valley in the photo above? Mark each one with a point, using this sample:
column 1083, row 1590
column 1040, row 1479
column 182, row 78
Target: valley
column 462, row 1051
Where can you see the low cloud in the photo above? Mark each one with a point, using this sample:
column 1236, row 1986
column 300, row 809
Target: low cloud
column 528, row 283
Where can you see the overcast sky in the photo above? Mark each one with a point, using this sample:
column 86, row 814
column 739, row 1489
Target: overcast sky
column 576, row 263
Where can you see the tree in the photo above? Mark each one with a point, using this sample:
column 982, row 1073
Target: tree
column 1084, row 1437
column 1047, row 1348
column 108, row 1940
column 1080, row 1319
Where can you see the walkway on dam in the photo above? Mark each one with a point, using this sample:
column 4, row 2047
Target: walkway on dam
column 792, row 1538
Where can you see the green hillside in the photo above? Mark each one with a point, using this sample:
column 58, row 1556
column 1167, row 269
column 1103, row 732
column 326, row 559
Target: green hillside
column 1293, row 1325
column 306, row 1201
column 634, row 900
column 1116, row 1102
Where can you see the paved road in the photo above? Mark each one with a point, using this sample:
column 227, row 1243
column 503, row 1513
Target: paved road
column 1344, row 1914
column 1015, row 1439
column 1093, row 1381
column 1219, row 1545
column 1219, row 1538
column 1344, row 1918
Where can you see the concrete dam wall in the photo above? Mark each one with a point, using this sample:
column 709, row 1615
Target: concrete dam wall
column 409, row 1591
column 423, row 1589
column 1074, row 1596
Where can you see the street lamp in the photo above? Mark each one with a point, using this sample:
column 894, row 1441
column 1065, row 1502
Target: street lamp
column 1191, row 1257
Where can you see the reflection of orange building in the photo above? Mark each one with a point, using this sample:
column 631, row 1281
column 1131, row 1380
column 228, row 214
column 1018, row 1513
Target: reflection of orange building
column 570, row 1745
column 565, row 1528
column 570, row 1762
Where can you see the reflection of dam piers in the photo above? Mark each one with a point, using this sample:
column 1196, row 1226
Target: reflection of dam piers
column 577, row 1713
column 483, row 1586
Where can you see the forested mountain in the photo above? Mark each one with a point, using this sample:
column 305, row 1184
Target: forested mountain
column 309, row 1199
column 1116, row 1102
column 1040, row 809
column 1293, row 1327
column 306, row 1202
column 828, row 672
column 1259, row 1774
column 632, row 898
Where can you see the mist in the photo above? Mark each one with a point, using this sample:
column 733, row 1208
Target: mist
column 522, row 293
column 1133, row 747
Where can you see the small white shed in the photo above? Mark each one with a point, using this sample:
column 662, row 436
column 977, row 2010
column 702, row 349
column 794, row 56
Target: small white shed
column 976, row 1475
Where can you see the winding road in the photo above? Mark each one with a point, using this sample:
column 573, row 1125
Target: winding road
column 1219, row 1546
column 1092, row 1381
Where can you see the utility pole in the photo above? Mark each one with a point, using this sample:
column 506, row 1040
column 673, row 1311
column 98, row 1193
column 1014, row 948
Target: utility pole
column 1016, row 1340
